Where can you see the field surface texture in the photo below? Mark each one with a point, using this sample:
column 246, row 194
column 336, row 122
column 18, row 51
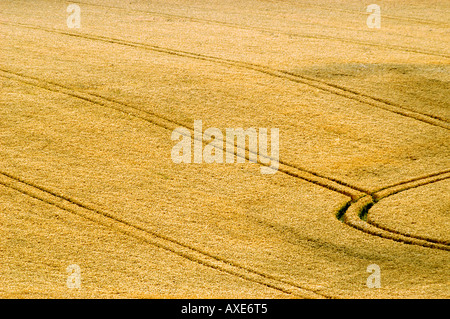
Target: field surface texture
column 87, row 176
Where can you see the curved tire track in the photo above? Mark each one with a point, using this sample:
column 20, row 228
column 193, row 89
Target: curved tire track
column 339, row 186
column 161, row 241
column 286, row 75
column 411, row 183
column 356, row 213
column 204, row 258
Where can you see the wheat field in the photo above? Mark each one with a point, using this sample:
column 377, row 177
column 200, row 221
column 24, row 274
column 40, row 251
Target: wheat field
column 87, row 178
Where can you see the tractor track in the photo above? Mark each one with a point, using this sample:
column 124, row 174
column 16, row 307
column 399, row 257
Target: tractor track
column 361, row 199
column 293, row 170
column 158, row 240
column 286, row 75
column 357, row 195
column 274, row 31
column 107, row 219
column 355, row 213
column 410, row 183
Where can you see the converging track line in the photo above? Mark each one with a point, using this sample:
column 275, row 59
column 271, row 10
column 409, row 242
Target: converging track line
column 355, row 193
column 356, row 213
column 360, row 199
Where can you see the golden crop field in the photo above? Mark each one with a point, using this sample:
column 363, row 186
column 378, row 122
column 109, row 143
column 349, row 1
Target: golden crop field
column 99, row 100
